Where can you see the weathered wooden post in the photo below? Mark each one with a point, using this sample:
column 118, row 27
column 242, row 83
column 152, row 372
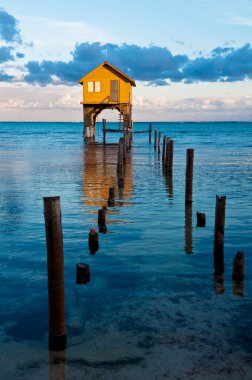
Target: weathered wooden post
column 93, row 240
column 201, row 219
column 219, row 234
column 189, row 176
column 120, row 163
column 82, row 273
column 150, row 133
column 238, row 267
column 188, row 229
column 111, row 198
column 159, row 138
column 102, row 219
column 55, row 271
column 167, row 153
column 155, row 138
column 163, row 152
column 104, row 130
column 170, row 159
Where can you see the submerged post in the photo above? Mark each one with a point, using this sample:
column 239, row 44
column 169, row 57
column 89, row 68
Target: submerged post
column 189, row 176
column 55, row 271
column 219, row 234
column 150, row 131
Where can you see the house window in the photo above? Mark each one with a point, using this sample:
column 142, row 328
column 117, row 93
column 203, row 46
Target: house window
column 94, row 86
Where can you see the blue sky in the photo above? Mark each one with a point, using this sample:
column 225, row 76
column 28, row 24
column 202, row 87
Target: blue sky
column 192, row 60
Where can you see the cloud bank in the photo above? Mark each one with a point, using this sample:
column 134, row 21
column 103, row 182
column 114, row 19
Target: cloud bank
column 154, row 65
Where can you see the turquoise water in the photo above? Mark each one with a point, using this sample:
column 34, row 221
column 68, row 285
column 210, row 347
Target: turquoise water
column 152, row 309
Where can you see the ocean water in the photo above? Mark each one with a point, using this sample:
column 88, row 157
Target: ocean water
column 153, row 309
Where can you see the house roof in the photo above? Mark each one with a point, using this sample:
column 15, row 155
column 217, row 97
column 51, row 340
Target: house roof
column 108, row 65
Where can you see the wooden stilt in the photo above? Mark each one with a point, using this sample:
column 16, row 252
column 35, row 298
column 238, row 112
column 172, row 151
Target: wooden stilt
column 163, row 151
column 158, row 143
column 82, row 273
column 111, row 198
column 93, row 240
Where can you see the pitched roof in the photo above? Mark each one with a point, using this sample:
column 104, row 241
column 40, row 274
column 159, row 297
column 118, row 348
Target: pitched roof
column 108, row 65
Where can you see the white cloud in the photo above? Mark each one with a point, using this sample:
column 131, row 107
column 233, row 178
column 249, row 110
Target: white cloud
column 62, row 103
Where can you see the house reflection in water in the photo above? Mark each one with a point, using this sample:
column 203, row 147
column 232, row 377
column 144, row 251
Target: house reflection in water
column 100, row 173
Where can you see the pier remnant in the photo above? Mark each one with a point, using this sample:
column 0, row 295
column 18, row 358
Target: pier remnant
column 55, row 271
column 220, row 208
column 82, row 273
column 238, row 267
column 158, row 143
column 155, row 139
column 163, row 151
column 150, row 133
column 201, row 219
column 189, row 176
column 93, row 240
column 102, row 219
column 111, row 198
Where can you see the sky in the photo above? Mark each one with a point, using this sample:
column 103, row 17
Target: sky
column 191, row 59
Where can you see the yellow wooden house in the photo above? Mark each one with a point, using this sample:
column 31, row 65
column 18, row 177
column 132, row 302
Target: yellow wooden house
column 106, row 87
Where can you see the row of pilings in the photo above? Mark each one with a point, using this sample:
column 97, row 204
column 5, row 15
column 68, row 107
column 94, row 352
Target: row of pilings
column 54, row 237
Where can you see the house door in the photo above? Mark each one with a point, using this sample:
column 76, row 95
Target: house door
column 114, row 90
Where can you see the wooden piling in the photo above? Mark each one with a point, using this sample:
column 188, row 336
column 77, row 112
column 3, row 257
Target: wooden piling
column 158, row 143
column 82, row 273
column 120, row 163
column 201, row 219
column 102, row 219
column 55, row 271
column 120, row 156
column 163, row 152
column 111, row 198
column 150, row 133
column 167, row 153
column 155, row 138
column 104, row 130
column 189, row 176
column 219, row 234
column 238, row 267
column 170, row 160
column 93, row 240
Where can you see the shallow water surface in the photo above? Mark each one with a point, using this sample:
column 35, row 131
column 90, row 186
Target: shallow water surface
column 153, row 309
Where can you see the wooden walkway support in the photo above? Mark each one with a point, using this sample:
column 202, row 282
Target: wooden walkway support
column 220, row 208
column 104, row 130
column 55, row 271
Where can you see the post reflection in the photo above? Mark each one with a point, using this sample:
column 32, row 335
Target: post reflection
column 219, row 284
column 188, row 229
column 169, row 184
column 56, row 365
column 100, row 173
column 238, row 288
